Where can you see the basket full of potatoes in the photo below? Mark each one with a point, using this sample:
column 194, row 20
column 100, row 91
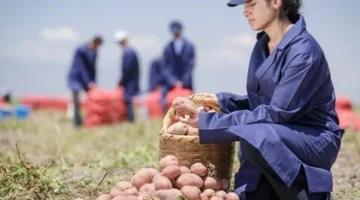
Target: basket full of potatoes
column 182, row 141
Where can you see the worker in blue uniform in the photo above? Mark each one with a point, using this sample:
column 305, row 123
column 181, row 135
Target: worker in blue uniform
column 155, row 74
column 5, row 94
column 82, row 74
column 130, row 73
column 179, row 61
column 287, row 125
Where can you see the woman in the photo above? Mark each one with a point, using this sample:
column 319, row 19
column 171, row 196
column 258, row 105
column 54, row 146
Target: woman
column 286, row 124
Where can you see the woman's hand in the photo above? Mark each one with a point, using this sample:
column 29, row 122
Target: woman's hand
column 187, row 111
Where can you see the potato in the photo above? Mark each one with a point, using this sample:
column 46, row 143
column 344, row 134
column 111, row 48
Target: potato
column 216, row 198
column 148, row 189
column 161, row 182
column 168, row 160
column 182, row 105
column 232, row 196
column 152, row 172
column 203, row 196
column 178, row 128
column 131, row 191
column 115, row 192
column 199, row 169
column 141, row 178
column 209, row 192
column 184, row 170
column 162, row 194
column 123, row 185
column 104, row 197
column 146, row 197
column 155, row 198
column 191, row 192
column 212, row 183
column 171, row 172
column 221, row 194
column 149, row 198
column 192, row 131
column 188, row 179
column 172, row 194
column 225, row 184
column 175, row 193
column 141, row 197
column 132, row 197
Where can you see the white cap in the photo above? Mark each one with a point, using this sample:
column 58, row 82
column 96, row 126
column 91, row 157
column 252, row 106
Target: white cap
column 120, row 35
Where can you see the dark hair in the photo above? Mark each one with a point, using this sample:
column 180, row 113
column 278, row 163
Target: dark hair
column 291, row 8
column 97, row 40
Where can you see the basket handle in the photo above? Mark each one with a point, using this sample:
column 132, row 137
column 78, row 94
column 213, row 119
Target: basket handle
column 198, row 99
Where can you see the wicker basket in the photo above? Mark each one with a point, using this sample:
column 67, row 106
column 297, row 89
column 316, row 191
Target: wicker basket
column 218, row 157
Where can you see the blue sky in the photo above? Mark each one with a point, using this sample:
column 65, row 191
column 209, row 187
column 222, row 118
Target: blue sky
column 38, row 38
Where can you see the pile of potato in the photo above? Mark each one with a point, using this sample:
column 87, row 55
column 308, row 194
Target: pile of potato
column 172, row 182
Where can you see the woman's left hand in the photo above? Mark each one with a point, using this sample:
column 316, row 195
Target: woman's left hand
column 187, row 111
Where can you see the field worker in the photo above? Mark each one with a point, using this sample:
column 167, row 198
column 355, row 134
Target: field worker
column 179, row 61
column 287, row 126
column 82, row 74
column 129, row 73
column 6, row 95
column 155, row 74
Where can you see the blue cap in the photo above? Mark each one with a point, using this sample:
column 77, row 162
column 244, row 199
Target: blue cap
column 175, row 27
column 233, row 3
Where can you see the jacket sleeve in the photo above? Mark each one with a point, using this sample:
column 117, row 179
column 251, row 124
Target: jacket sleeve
column 299, row 83
column 83, row 66
column 94, row 74
column 230, row 102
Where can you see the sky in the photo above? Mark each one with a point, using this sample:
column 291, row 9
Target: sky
column 38, row 39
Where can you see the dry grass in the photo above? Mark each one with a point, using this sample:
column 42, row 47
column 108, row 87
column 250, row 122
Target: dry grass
column 72, row 162
column 56, row 161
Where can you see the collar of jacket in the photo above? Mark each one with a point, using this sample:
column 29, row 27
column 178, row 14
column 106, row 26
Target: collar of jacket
column 290, row 35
